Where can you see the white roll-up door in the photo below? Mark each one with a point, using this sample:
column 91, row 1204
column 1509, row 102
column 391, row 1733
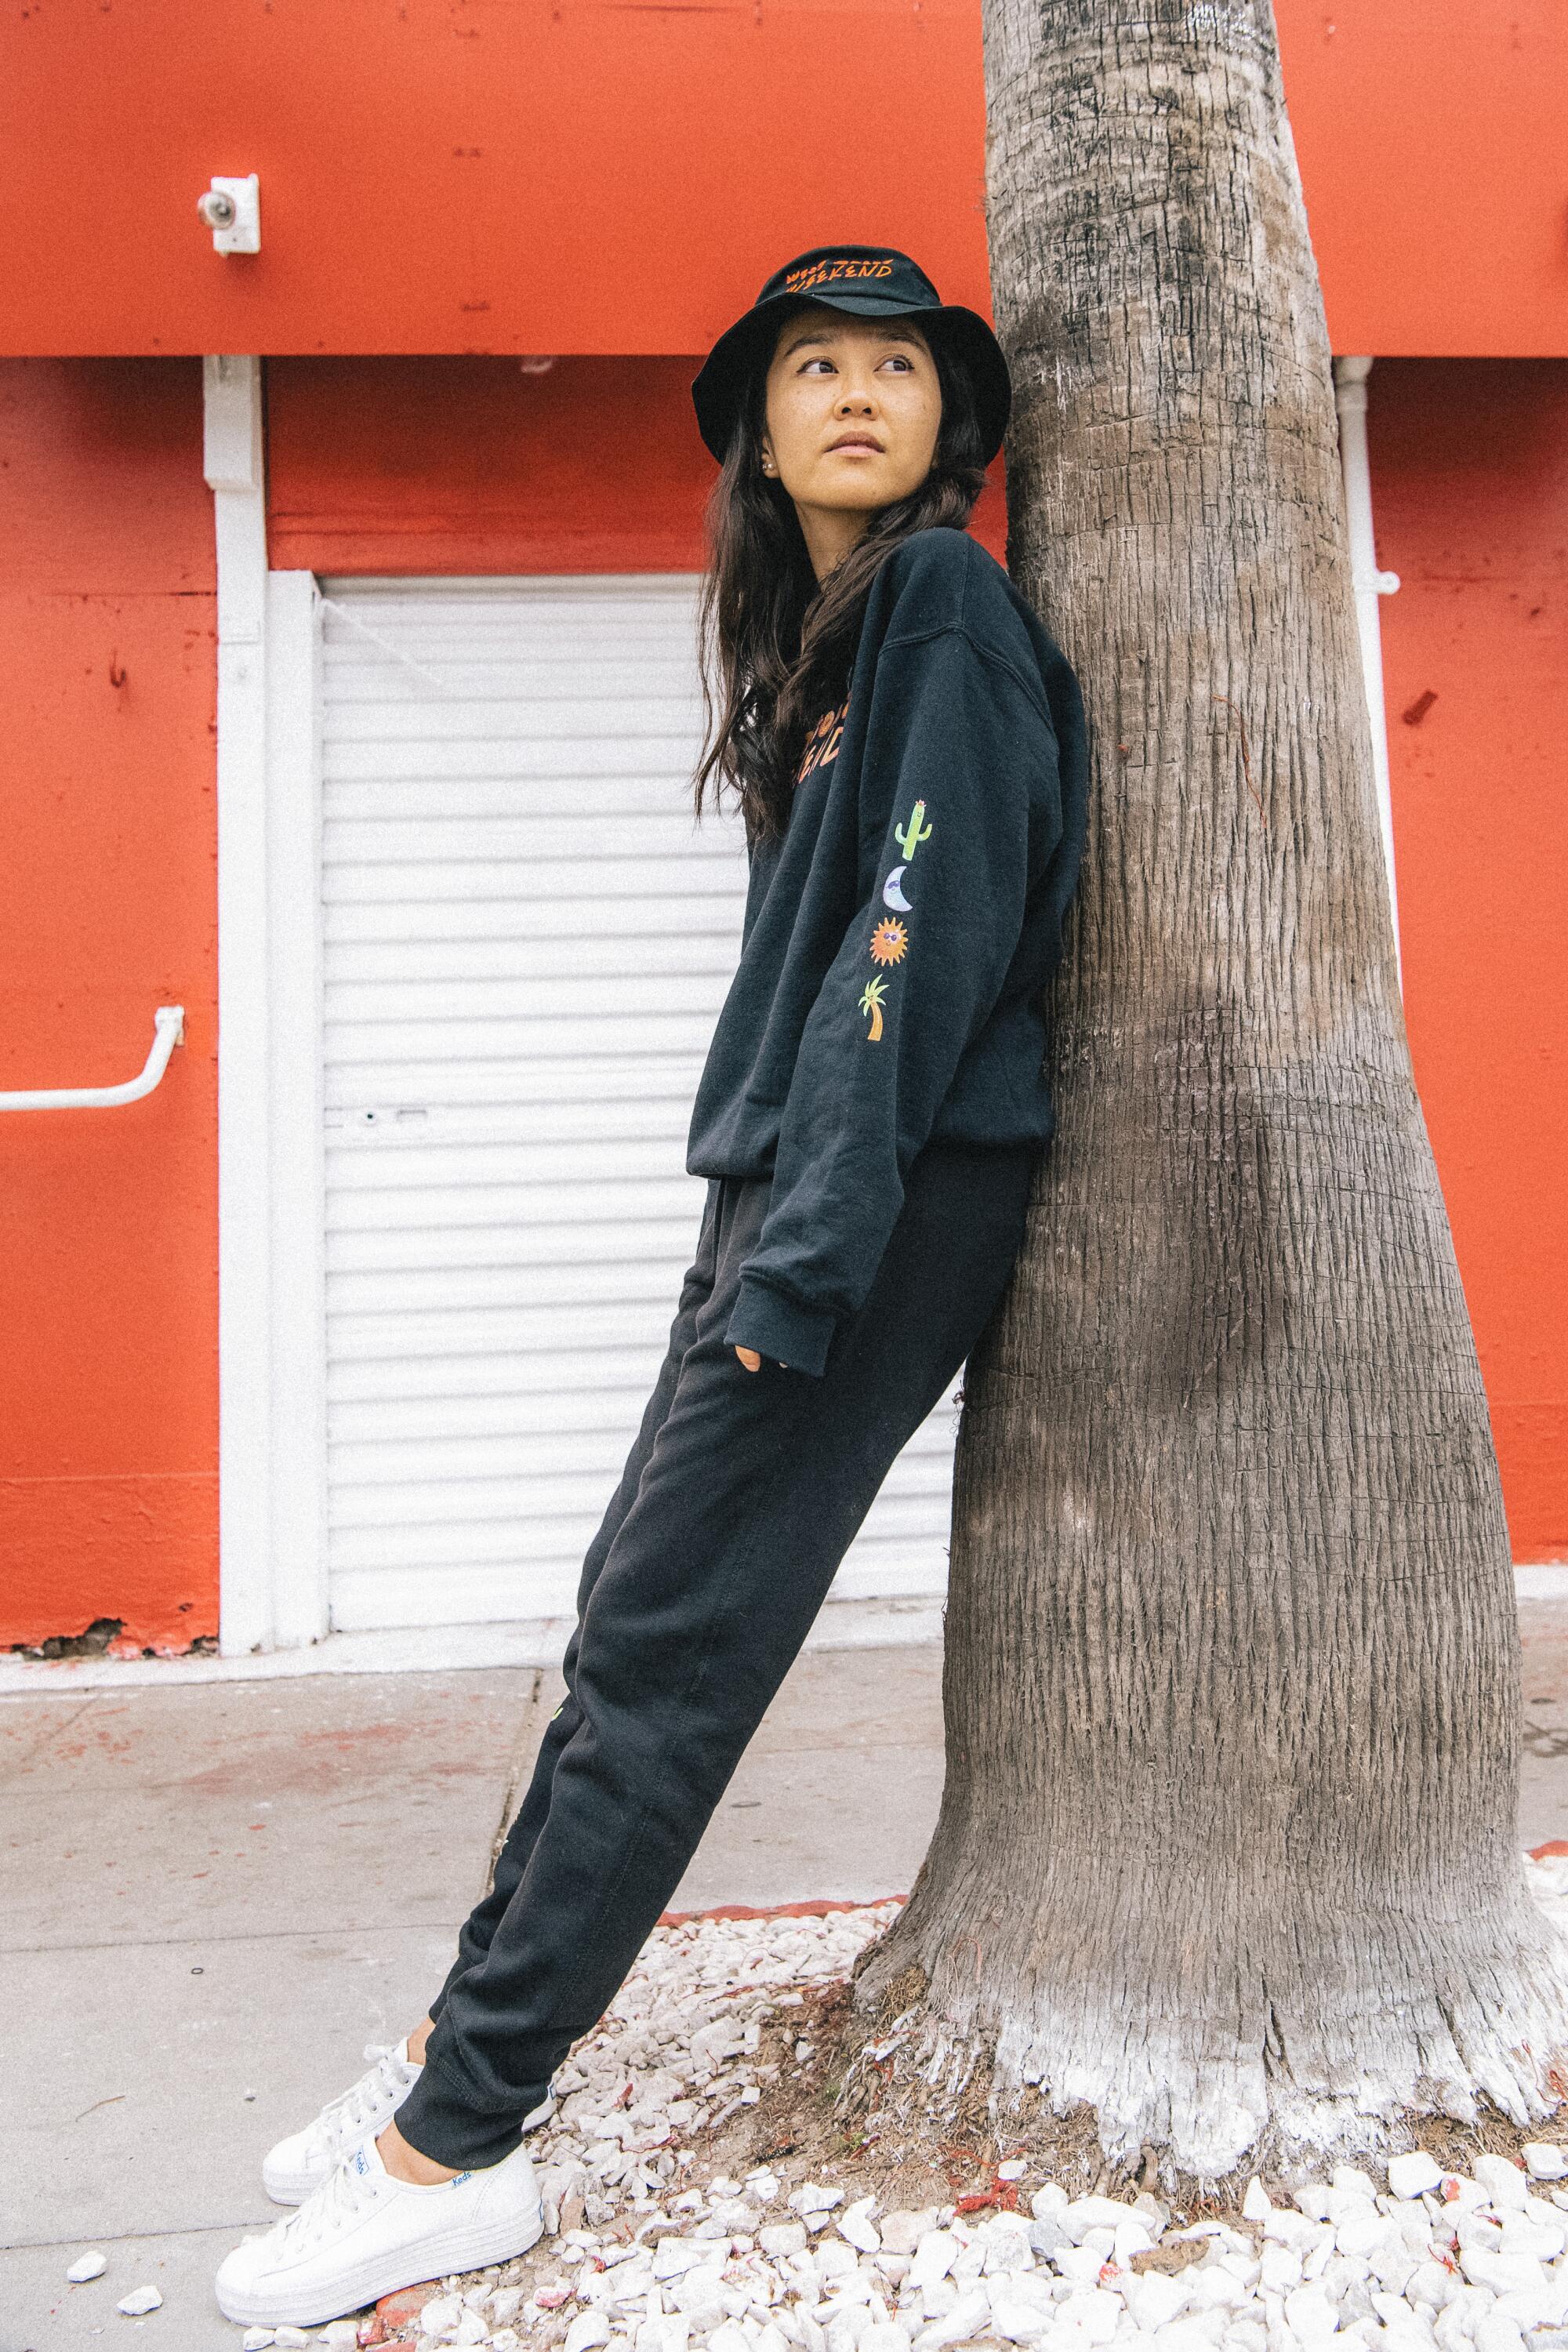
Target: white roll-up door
column 527, row 940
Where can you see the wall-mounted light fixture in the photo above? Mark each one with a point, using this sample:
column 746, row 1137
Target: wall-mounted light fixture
column 232, row 210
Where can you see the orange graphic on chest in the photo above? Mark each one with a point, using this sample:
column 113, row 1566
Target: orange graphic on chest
column 821, row 743
column 888, row 941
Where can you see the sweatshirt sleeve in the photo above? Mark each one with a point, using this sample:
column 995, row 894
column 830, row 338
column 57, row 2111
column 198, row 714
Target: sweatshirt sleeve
column 969, row 751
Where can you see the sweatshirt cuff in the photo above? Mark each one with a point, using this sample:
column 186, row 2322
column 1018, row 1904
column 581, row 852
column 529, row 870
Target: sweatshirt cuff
column 779, row 1327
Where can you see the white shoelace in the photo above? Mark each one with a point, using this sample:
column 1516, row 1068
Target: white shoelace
column 341, row 2198
column 346, row 2118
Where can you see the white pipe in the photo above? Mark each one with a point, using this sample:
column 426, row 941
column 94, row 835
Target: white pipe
column 168, row 1030
column 1370, row 585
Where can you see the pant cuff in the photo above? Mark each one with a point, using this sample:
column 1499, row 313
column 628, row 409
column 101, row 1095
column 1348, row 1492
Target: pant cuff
column 440, row 2120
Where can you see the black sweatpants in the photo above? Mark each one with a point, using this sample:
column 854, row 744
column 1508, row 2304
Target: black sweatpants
column 739, row 1499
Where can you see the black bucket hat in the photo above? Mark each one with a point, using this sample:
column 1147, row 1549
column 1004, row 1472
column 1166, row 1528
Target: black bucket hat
column 873, row 282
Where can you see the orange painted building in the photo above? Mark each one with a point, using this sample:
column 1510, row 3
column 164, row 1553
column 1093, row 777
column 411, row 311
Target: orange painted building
column 445, row 191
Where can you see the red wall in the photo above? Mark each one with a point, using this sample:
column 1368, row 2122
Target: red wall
column 463, row 176
column 108, row 1389
column 1469, row 465
column 438, row 466
column 108, row 1219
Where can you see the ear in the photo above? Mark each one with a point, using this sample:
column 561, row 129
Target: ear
column 770, row 463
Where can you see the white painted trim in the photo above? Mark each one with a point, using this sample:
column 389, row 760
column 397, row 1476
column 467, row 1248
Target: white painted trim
column 1370, row 585
column 298, row 1468
column 842, row 1625
column 272, row 1557
column 232, row 389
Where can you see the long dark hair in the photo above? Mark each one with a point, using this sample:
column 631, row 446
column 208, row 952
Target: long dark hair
column 776, row 646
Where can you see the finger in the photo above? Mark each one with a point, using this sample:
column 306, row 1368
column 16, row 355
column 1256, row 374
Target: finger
column 750, row 1359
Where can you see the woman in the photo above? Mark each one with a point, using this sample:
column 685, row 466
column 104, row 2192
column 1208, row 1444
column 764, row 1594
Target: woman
column 908, row 747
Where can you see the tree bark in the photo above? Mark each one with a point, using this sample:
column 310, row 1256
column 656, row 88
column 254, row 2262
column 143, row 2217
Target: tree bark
column 1227, row 1848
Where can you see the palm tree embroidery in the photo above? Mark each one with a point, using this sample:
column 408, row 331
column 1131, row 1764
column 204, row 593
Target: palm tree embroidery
column 871, row 1002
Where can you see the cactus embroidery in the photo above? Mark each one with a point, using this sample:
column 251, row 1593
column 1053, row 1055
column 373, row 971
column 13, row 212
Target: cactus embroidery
column 888, row 941
column 913, row 833
column 871, row 1002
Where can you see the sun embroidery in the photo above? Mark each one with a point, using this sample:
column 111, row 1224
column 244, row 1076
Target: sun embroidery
column 871, row 1002
column 888, row 941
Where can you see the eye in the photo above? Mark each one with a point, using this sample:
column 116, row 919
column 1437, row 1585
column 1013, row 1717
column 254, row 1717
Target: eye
column 821, row 361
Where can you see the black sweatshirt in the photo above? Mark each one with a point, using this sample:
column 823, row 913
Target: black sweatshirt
column 897, row 938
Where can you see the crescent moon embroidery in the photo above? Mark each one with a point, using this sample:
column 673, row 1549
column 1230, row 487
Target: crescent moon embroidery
column 892, row 895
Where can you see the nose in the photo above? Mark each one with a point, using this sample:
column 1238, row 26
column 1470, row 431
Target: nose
column 856, row 398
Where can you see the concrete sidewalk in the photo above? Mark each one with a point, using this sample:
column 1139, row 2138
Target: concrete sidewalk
column 213, row 1896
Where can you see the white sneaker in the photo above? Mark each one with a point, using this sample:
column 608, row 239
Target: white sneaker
column 299, row 2164
column 363, row 2236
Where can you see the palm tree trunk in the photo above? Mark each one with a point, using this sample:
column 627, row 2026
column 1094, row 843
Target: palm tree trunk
column 1228, row 1847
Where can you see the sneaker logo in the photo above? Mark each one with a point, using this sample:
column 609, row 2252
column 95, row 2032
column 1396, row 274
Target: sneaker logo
column 458, row 2178
column 359, row 2162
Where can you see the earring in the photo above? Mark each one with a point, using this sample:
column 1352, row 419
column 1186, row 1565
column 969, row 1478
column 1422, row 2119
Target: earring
column 767, row 465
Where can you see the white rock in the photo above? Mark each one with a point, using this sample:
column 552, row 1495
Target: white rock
column 1048, row 2201
column 812, row 2199
column 969, row 2317
column 440, row 2315
column 1311, row 2315
column 294, row 2339
column 1013, row 2170
column 1007, row 2247
column 256, row 2339
column 1506, row 2184
column 1094, row 2313
column 588, row 2329
column 882, row 2335
column 730, row 2338
column 471, row 2329
column 855, row 2224
column 1414, row 2174
column 1430, row 2286
column 901, row 2232
column 1195, row 2336
column 140, row 2302
column 1546, row 2161
column 1279, row 2268
column 934, row 2258
column 1083, row 2265
column 86, row 2266
column 1496, row 2333
column 1087, row 2214
column 343, row 2331
column 1362, row 2229
column 1257, row 2205
column 1152, row 2297
column 505, row 2304
column 1019, row 2318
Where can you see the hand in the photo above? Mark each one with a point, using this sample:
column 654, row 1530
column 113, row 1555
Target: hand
column 752, row 1361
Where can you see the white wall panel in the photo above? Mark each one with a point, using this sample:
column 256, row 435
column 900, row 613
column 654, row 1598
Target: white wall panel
column 526, row 944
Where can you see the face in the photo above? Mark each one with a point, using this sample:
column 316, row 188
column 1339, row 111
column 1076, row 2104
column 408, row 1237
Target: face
column 853, row 410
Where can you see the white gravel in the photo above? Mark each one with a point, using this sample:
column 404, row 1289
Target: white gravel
column 1466, row 2263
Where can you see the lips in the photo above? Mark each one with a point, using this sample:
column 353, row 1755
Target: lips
column 856, row 441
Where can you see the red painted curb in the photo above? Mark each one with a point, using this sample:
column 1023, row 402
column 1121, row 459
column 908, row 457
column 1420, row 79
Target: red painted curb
column 815, row 1910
